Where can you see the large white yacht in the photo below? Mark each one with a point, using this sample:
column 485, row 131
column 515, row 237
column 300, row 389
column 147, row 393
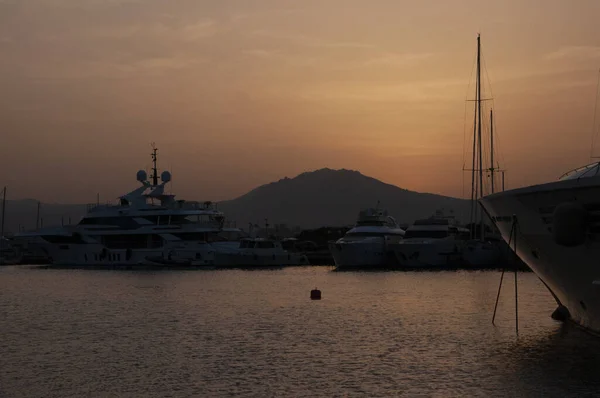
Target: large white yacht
column 146, row 227
column 437, row 241
column 367, row 243
column 555, row 229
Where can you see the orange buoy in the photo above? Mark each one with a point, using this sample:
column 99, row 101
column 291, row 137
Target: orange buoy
column 315, row 294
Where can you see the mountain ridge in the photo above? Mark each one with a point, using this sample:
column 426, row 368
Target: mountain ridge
column 322, row 197
column 304, row 199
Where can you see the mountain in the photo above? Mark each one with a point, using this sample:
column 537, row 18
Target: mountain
column 314, row 199
column 328, row 197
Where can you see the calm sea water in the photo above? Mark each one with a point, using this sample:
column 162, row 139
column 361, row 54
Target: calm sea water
column 75, row 333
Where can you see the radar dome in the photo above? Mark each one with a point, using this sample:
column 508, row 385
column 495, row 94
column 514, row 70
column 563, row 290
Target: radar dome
column 141, row 176
column 165, row 176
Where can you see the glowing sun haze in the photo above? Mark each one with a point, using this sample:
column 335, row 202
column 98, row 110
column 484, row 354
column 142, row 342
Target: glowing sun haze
column 240, row 93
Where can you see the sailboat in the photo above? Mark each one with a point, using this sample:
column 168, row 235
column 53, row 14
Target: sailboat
column 481, row 250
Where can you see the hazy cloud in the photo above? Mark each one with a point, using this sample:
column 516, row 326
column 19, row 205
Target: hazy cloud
column 308, row 41
column 435, row 90
column 395, row 59
column 577, row 52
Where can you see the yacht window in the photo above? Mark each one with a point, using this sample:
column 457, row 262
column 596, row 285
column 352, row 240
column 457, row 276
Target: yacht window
column 425, row 234
column 134, row 241
column 264, row 245
column 182, row 219
column 371, row 223
column 367, row 234
column 433, row 221
column 121, row 222
column 215, row 237
column 58, row 239
column 191, row 236
column 152, row 219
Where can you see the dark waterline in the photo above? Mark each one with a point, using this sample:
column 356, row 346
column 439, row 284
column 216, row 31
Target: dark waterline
column 72, row 333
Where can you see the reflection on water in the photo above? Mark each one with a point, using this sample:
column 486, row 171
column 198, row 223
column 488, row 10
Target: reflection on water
column 72, row 333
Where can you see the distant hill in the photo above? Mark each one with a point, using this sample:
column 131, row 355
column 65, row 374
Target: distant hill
column 314, row 199
column 23, row 213
column 328, row 197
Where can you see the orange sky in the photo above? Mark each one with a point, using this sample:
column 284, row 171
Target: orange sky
column 240, row 93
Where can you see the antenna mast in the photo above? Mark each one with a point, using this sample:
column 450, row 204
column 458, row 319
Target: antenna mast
column 154, row 171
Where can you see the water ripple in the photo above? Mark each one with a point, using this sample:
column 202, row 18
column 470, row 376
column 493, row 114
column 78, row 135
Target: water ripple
column 73, row 333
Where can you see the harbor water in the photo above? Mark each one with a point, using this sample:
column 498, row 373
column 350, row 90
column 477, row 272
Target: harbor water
column 256, row 333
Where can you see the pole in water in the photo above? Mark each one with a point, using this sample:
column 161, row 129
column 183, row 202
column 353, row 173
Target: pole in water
column 498, row 296
column 515, row 224
column 501, row 279
column 3, row 211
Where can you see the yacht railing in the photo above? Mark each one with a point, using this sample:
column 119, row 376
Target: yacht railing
column 581, row 172
column 92, row 207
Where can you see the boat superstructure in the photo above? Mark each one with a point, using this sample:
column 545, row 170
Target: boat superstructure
column 366, row 245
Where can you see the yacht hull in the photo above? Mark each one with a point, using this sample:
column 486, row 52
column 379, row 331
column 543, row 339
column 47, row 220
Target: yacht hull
column 97, row 255
column 484, row 254
column 249, row 259
column 571, row 272
column 436, row 253
column 359, row 254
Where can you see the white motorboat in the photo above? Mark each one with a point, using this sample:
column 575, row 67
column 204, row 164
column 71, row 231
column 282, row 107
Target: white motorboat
column 366, row 245
column 437, row 241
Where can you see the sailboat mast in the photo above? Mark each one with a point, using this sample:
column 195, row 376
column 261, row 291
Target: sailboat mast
column 473, row 164
column 37, row 217
column 594, row 122
column 480, row 168
column 3, row 212
column 492, row 147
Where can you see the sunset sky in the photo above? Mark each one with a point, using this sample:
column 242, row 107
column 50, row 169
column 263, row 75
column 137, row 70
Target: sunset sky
column 240, row 93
